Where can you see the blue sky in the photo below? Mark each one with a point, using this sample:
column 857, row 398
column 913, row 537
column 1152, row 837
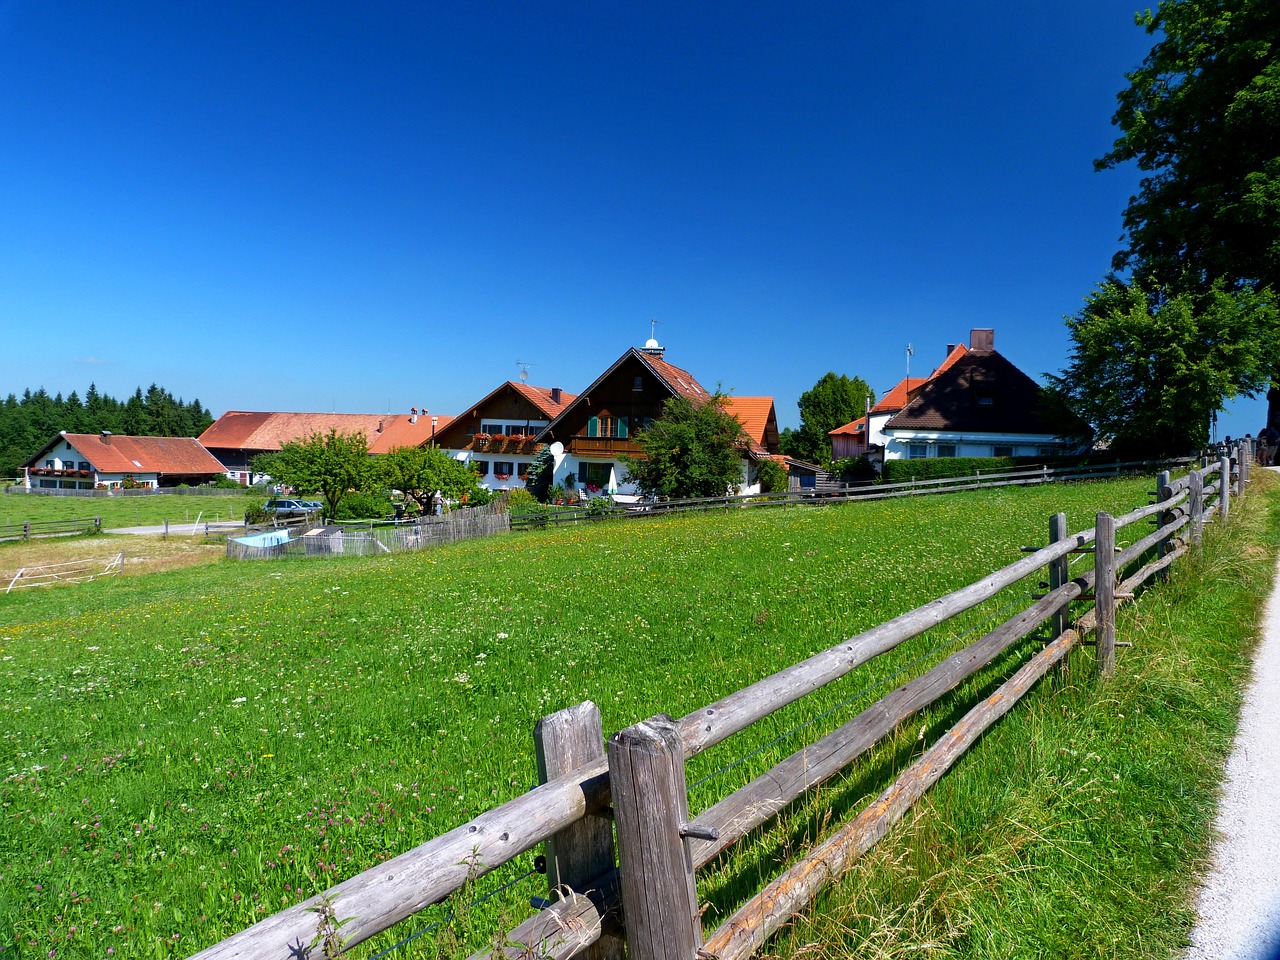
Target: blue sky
column 363, row 207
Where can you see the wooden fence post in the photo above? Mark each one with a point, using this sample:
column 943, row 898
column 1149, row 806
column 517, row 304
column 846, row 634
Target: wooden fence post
column 1196, row 505
column 1104, row 592
column 651, row 808
column 1224, row 486
column 1164, row 491
column 1059, row 573
column 583, row 852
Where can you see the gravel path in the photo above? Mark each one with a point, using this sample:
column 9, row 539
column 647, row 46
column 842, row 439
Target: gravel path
column 1239, row 906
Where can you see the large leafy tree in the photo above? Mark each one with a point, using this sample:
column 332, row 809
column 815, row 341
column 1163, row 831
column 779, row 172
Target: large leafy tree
column 832, row 402
column 331, row 464
column 692, row 450
column 1201, row 119
column 419, row 473
column 1149, row 367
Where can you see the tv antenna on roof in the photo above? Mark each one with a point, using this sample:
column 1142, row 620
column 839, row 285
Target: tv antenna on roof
column 524, row 366
column 910, row 353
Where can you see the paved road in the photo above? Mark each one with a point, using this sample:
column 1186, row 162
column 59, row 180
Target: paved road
column 1239, row 906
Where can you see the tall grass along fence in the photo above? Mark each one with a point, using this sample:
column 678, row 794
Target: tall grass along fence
column 622, row 847
column 313, row 539
column 49, row 528
column 72, row 571
column 837, row 493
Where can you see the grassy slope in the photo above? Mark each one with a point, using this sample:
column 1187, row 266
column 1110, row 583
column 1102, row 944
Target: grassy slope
column 186, row 752
column 1079, row 825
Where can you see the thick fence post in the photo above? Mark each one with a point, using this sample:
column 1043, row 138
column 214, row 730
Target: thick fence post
column 1059, row 573
column 583, row 852
column 1104, row 592
column 1224, row 486
column 1196, row 505
column 650, row 803
column 1164, row 491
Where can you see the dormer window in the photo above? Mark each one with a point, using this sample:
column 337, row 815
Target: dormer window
column 638, row 384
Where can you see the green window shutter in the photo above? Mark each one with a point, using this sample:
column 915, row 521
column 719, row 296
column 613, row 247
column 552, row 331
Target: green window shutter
column 622, row 427
column 593, row 427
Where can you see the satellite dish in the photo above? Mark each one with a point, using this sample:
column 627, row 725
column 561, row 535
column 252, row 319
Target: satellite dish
column 524, row 376
column 524, row 366
column 557, row 448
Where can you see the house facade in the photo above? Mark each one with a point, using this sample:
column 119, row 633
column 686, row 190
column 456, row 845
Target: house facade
column 499, row 436
column 593, row 433
column 980, row 405
column 238, row 436
column 98, row 461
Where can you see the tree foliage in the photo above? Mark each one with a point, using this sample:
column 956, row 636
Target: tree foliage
column 331, row 464
column 1201, row 117
column 538, row 480
column 419, row 473
column 692, row 450
column 29, row 422
column 1193, row 324
column 1150, row 368
column 830, row 403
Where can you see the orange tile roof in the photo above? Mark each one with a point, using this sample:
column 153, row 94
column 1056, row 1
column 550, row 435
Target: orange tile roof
column 122, row 454
column 540, row 397
column 680, row 382
column 897, row 398
column 758, row 419
column 855, row 428
column 249, row 430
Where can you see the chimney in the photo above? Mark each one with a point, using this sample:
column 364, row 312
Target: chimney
column 983, row 338
column 555, row 395
column 950, row 347
column 379, row 426
column 413, row 414
column 106, row 436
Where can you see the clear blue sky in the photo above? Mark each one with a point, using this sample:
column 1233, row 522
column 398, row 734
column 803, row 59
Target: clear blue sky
column 356, row 207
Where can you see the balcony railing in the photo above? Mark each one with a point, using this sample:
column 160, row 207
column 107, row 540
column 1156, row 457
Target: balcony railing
column 516, row 446
column 603, row 446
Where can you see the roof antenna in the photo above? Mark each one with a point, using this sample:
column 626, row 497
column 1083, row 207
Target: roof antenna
column 652, row 342
column 524, row 366
column 910, row 353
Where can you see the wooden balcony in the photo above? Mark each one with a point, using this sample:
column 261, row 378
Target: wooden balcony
column 511, row 446
column 604, row 447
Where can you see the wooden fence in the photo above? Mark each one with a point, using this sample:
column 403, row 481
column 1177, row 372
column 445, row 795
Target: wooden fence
column 49, row 528
column 1025, row 477
column 635, row 788
column 313, row 539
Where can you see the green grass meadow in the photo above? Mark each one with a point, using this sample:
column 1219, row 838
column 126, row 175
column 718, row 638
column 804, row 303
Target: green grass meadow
column 184, row 753
column 128, row 511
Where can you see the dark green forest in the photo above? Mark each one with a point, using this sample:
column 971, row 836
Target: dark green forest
column 28, row 422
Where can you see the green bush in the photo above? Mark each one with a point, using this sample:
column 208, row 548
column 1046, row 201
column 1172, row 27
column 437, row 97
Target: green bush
column 362, row 505
column 898, row 471
column 599, row 506
column 521, row 501
column 854, row 468
column 223, row 482
column 256, row 513
column 773, row 477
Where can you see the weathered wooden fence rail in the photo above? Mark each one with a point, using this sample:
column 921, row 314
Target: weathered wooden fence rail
column 635, row 786
column 49, row 528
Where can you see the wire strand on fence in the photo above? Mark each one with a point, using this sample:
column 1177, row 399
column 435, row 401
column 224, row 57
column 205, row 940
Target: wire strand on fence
column 449, row 916
column 875, row 685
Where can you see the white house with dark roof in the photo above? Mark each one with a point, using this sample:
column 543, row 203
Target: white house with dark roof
column 981, row 405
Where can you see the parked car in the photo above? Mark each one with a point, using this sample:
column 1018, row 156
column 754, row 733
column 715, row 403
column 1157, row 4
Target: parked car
column 291, row 508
